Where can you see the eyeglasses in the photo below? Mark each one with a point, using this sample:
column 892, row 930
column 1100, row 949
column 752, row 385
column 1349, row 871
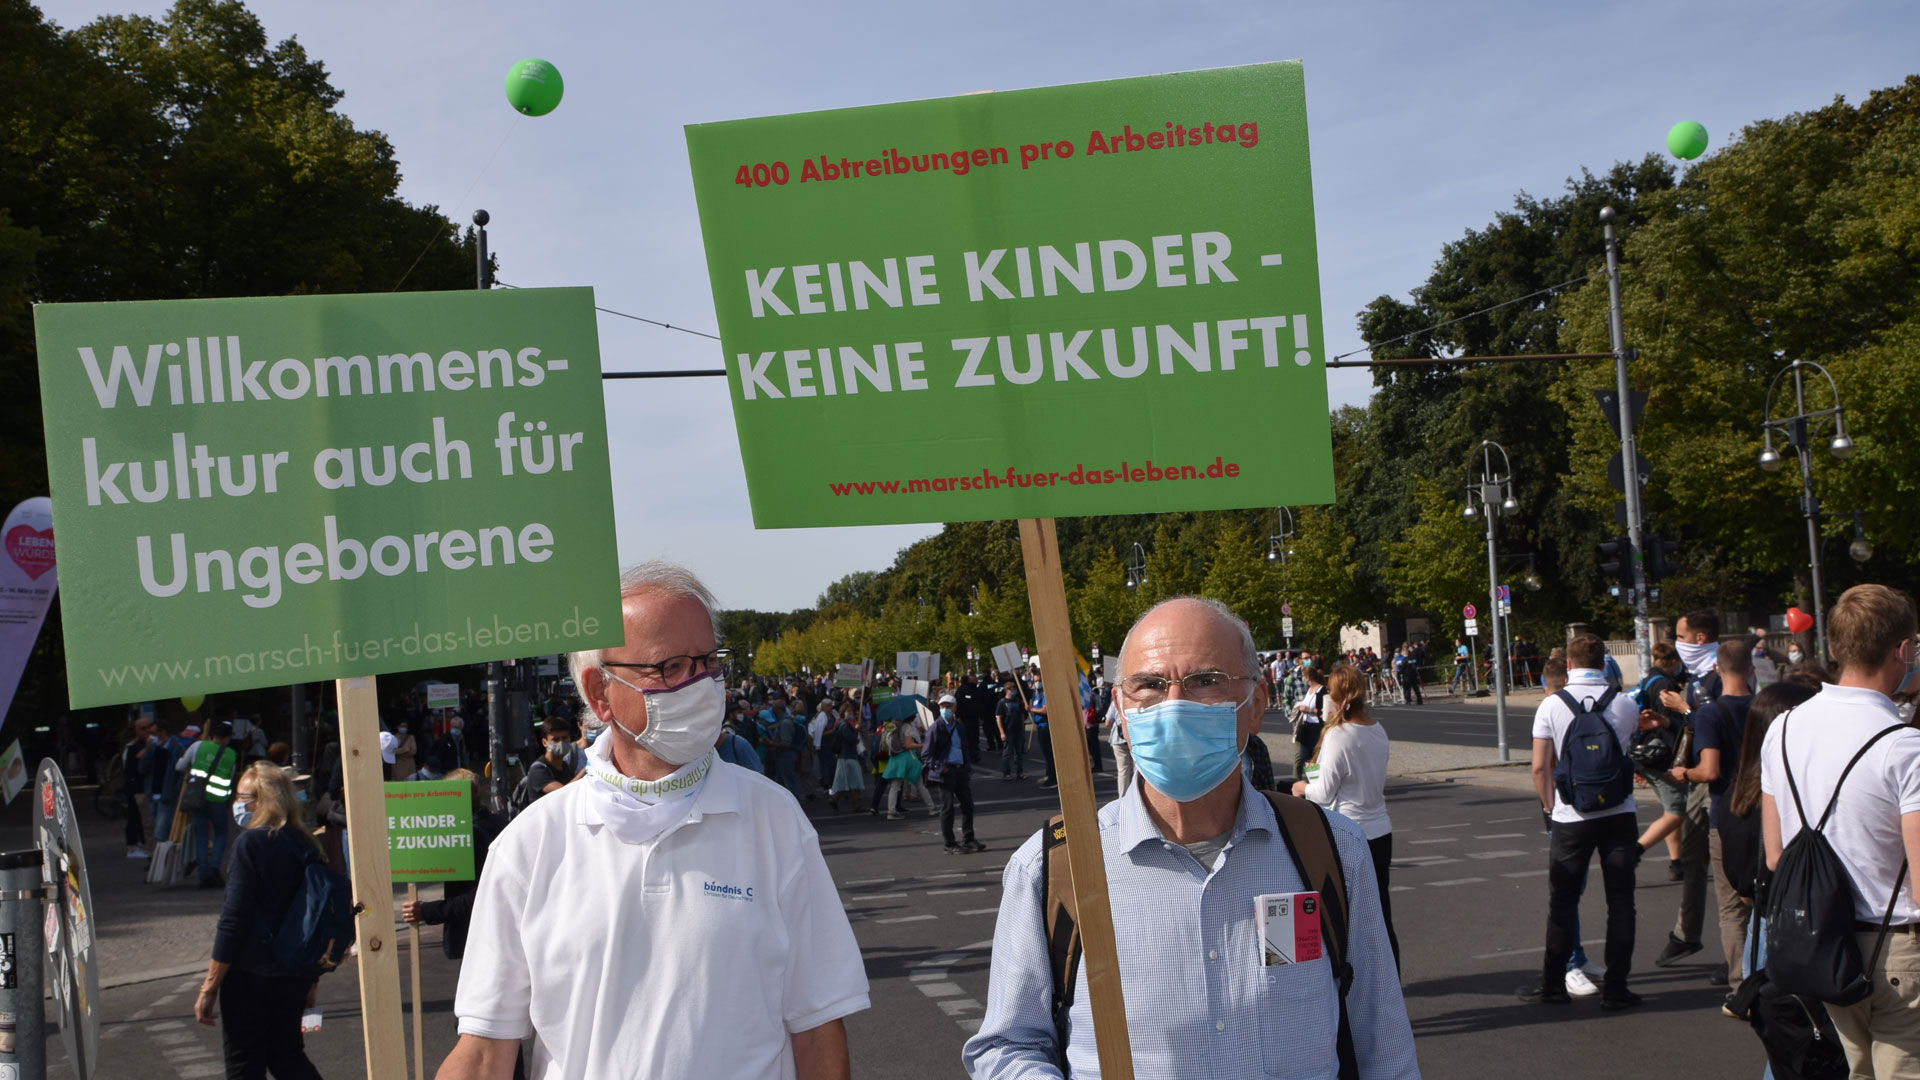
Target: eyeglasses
column 1206, row 687
column 676, row 669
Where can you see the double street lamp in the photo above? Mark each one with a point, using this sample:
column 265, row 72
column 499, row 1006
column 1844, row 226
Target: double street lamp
column 1280, row 544
column 1799, row 430
column 1137, row 567
column 1493, row 494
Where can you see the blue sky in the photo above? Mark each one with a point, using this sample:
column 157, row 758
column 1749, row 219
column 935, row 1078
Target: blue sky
column 1426, row 120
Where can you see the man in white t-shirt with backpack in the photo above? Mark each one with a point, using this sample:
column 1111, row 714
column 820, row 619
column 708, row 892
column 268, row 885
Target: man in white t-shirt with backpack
column 1875, row 820
column 1586, row 789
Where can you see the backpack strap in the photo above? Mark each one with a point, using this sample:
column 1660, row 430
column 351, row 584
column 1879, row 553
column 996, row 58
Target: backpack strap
column 1060, row 915
column 1862, row 752
column 1309, row 838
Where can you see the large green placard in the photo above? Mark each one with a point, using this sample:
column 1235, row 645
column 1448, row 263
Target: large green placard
column 1089, row 299
column 430, row 830
column 255, row 492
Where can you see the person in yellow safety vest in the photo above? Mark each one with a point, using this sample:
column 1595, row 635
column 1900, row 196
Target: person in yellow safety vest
column 215, row 760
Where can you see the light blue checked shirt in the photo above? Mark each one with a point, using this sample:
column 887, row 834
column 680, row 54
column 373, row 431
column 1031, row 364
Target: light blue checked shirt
column 1199, row 1001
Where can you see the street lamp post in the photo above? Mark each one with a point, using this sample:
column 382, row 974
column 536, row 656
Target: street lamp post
column 1494, row 493
column 1798, row 430
column 1137, row 567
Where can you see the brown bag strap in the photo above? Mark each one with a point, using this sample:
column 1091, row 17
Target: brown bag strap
column 1061, row 915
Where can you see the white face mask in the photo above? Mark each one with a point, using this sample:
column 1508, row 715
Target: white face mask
column 682, row 721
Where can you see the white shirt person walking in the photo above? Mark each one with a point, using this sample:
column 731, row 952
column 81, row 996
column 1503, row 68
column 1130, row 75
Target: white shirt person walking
column 671, row 914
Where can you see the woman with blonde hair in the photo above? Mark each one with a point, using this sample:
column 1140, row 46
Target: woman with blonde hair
column 261, row 1004
column 1348, row 774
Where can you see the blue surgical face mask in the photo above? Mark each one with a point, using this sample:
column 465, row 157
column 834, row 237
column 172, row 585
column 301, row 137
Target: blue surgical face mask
column 1184, row 748
column 242, row 813
column 946, row 713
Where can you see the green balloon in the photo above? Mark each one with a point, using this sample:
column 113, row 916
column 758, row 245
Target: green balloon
column 534, row 87
column 1686, row 140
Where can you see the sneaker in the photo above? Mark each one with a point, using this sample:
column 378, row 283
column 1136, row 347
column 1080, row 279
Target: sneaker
column 896, row 817
column 1622, row 1001
column 974, row 845
column 955, row 849
column 1727, row 1011
column 1578, row 985
column 1593, row 970
column 1718, row 977
column 1543, row 994
column 1676, row 951
column 1048, row 784
column 138, row 853
column 1676, row 872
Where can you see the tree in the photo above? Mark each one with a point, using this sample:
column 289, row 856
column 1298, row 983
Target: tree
column 1797, row 241
column 1436, row 569
column 147, row 159
column 1238, row 576
column 1104, row 608
column 1319, row 581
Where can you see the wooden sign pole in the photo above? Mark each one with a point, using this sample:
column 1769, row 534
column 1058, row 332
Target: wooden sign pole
column 413, row 955
column 380, row 1015
column 1053, row 633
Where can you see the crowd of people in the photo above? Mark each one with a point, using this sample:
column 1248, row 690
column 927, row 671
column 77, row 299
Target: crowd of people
column 1742, row 749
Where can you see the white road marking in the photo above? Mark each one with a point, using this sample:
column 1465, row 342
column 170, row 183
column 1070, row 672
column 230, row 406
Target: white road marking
column 868, row 881
column 1525, row 873
column 1437, row 840
column 1500, row 836
column 980, row 911
column 952, row 892
column 172, row 1038
column 1399, row 888
column 195, row 1072
column 877, row 896
column 1455, row 825
column 1504, row 820
column 1493, row 854
column 1454, row 881
column 902, row 918
column 955, row 1008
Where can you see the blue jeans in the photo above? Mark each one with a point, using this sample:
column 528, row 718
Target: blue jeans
column 828, row 762
column 1013, row 756
column 162, row 818
column 210, row 837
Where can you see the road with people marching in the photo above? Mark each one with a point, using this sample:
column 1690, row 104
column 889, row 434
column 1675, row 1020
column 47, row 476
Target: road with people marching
column 1469, row 880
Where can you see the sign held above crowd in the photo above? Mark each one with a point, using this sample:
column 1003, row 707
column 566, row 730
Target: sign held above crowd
column 1117, row 284
column 259, row 491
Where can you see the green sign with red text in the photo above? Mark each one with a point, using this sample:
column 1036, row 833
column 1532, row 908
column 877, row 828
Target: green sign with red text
column 430, row 830
column 255, row 492
column 1090, row 299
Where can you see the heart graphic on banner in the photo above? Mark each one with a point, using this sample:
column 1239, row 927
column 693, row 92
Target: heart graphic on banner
column 30, row 549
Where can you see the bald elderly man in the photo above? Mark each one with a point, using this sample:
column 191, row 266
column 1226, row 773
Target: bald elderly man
column 1188, row 849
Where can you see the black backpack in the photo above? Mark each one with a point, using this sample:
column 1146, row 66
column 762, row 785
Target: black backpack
column 314, row 934
column 1592, row 772
column 1811, row 948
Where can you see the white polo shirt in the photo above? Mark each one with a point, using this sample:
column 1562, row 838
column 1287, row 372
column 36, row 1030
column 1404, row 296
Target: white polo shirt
column 1822, row 735
column 1552, row 719
column 696, row 953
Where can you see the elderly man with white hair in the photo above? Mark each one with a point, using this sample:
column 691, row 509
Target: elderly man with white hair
column 1191, row 851
column 671, row 914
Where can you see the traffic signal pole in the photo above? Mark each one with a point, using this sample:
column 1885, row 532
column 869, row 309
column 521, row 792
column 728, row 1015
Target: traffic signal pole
column 1642, row 628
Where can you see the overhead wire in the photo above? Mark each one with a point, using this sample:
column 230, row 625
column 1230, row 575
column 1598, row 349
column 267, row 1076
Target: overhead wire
column 439, row 233
column 1370, row 346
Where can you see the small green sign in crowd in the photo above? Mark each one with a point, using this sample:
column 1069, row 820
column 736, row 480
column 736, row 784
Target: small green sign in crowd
column 430, row 830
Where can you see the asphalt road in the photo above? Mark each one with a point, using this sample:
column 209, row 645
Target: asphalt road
column 1469, row 883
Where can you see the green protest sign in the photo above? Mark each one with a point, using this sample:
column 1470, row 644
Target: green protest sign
column 430, row 830
column 1088, row 299
column 262, row 491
